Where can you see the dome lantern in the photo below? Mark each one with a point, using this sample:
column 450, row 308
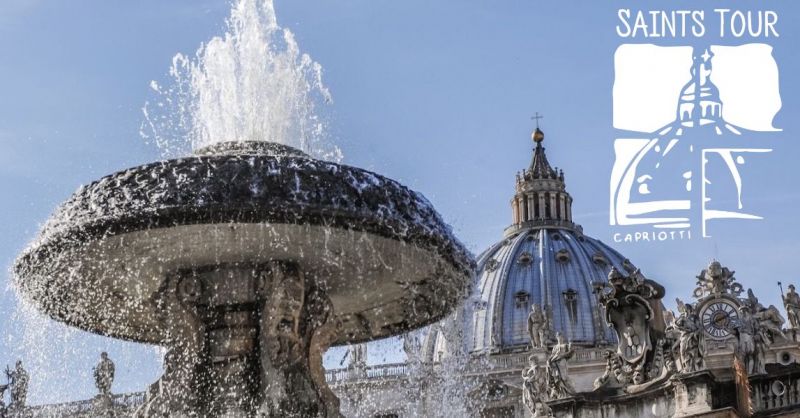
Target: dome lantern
column 541, row 199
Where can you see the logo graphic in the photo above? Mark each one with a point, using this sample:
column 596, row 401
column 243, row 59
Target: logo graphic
column 689, row 115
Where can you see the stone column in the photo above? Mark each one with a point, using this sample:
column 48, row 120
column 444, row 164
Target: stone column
column 524, row 205
column 569, row 209
column 531, row 208
column 542, row 206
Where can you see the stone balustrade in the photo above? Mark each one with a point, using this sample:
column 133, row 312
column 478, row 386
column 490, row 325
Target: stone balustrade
column 774, row 392
column 510, row 362
column 381, row 371
column 87, row 408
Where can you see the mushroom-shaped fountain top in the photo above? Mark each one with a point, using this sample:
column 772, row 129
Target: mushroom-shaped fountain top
column 385, row 258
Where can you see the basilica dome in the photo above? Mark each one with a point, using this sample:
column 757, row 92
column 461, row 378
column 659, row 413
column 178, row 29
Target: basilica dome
column 545, row 259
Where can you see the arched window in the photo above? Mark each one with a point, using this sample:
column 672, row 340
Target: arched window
column 521, row 299
column 571, row 303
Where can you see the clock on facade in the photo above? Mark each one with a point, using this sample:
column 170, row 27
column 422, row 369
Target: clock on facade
column 719, row 317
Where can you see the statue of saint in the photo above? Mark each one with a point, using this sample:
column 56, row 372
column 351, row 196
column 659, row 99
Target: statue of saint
column 412, row 347
column 104, row 374
column 536, row 326
column 749, row 346
column 770, row 321
column 18, row 380
column 534, row 388
column 358, row 355
column 792, row 304
column 691, row 344
column 558, row 375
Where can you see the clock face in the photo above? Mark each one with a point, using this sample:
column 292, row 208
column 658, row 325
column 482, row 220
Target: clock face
column 719, row 318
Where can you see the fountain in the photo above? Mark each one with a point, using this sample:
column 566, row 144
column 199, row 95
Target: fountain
column 246, row 260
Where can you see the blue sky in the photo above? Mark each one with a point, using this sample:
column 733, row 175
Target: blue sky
column 437, row 95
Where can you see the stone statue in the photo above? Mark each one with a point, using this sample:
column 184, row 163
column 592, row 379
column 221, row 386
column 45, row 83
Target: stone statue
column 749, row 347
column 669, row 318
column 412, row 347
column 104, row 374
column 792, row 304
column 537, row 324
column 559, row 384
column 613, row 370
column 358, row 355
column 691, row 343
column 717, row 280
column 281, row 344
column 535, row 389
column 296, row 319
column 633, row 310
column 770, row 321
column 185, row 345
column 18, row 380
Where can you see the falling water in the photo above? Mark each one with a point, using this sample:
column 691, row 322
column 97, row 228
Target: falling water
column 54, row 352
column 250, row 84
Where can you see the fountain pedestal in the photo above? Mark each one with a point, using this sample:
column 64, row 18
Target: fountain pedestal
column 242, row 340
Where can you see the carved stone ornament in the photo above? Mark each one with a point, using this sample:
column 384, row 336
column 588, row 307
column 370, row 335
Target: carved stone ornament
column 757, row 329
column 535, row 389
column 691, row 343
column 643, row 356
column 717, row 280
column 559, row 384
column 262, row 354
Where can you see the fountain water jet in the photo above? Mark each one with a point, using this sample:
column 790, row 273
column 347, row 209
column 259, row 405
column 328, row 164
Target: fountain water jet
column 248, row 258
column 250, row 84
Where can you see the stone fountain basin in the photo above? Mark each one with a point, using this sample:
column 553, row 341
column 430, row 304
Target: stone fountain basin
column 387, row 260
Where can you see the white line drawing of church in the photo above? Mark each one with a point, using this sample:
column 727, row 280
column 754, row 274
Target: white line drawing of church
column 699, row 104
column 653, row 179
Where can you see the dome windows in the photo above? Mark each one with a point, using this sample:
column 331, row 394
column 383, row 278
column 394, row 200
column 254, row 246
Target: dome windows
column 599, row 259
column 525, row 258
column 571, row 303
column 521, row 299
column 562, row 256
column 492, row 265
column 628, row 265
